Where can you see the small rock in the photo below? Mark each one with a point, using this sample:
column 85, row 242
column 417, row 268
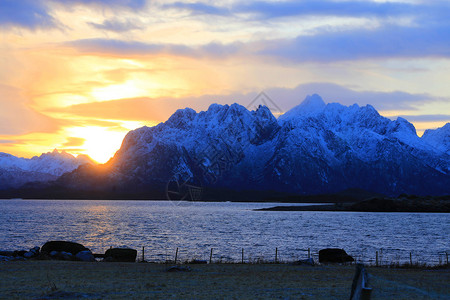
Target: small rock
column 197, row 262
column 308, row 262
column 65, row 255
column 32, row 253
column 179, row 269
column 5, row 258
column 85, row 256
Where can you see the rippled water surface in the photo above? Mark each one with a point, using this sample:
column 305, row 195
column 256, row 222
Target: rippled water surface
column 195, row 228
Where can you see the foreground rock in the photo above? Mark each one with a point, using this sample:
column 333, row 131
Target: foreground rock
column 19, row 254
column 85, row 256
column 64, row 250
column 334, row 255
column 120, row 255
column 64, row 246
column 306, row 262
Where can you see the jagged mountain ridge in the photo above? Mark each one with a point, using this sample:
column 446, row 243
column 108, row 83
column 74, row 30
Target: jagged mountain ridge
column 16, row 171
column 314, row 148
column 438, row 138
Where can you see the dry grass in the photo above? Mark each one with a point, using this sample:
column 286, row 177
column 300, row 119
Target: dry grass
column 58, row 279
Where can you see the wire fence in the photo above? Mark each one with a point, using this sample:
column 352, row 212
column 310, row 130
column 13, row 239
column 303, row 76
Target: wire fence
column 381, row 257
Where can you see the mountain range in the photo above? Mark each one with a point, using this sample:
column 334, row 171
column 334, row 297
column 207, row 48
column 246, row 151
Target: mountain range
column 313, row 148
column 16, row 171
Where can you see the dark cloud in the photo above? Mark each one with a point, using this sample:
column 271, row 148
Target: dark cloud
column 31, row 14
column 357, row 44
column 268, row 10
column 427, row 118
column 116, row 25
column 383, row 42
column 34, row 14
column 133, row 4
column 426, row 35
column 119, row 47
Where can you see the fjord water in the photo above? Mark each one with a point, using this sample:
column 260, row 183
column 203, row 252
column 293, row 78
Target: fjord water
column 196, row 227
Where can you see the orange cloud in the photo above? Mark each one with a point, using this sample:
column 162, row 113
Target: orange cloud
column 16, row 117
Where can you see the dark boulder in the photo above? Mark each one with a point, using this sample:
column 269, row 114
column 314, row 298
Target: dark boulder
column 334, row 255
column 120, row 255
column 34, row 252
column 85, row 256
column 64, row 246
column 306, row 262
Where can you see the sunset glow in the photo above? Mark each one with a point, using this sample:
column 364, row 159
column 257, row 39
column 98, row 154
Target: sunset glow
column 78, row 75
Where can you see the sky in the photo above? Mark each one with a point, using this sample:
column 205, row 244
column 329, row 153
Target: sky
column 77, row 75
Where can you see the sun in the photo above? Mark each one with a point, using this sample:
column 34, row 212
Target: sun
column 100, row 143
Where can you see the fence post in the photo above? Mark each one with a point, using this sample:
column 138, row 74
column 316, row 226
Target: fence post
column 410, row 258
column 210, row 256
column 309, row 253
column 176, row 256
column 276, row 255
column 242, row 259
column 376, row 260
column 143, row 254
column 446, row 255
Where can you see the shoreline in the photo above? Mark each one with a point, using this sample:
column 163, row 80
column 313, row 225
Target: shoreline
column 333, row 208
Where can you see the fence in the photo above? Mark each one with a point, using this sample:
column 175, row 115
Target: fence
column 380, row 258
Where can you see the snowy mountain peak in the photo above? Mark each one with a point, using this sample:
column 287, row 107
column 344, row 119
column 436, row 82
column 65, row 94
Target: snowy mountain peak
column 15, row 171
column 438, row 138
column 402, row 124
column 263, row 112
column 312, row 105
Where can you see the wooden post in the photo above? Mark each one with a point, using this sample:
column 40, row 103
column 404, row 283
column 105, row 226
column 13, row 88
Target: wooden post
column 143, row 254
column 410, row 258
column 210, row 256
column 446, row 254
column 309, row 253
column 176, row 256
column 276, row 255
column 242, row 258
column 376, row 260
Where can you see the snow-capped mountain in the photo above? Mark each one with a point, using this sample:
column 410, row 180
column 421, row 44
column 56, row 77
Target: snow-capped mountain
column 16, row 171
column 438, row 138
column 313, row 148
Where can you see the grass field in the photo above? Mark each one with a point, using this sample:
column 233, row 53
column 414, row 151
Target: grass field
column 70, row 280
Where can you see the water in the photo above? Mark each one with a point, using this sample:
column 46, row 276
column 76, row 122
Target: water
column 195, row 228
